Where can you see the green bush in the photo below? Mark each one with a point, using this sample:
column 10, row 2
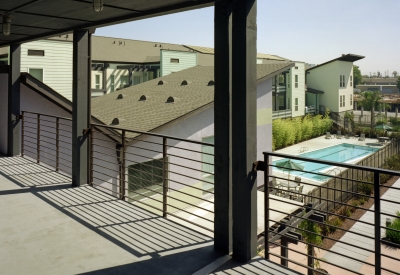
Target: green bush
column 394, row 236
column 366, row 188
column 286, row 132
column 330, row 226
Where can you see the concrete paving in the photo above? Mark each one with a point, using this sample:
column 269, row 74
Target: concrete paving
column 353, row 237
column 50, row 228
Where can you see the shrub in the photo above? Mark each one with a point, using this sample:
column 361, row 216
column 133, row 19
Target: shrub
column 394, row 236
column 330, row 225
column 345, row 210
column 365, row 188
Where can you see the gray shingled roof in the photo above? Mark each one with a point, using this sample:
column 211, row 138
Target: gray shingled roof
column 154, row 112
column 125, row 50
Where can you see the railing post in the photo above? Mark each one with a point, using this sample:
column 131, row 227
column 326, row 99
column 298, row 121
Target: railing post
column 377, row 229
column 38, row 138
column 165, row 175
column 57, row 144
column 310, row 259
column 123, row 163
column 91, row 153
column 266, row 206
column 22, row 133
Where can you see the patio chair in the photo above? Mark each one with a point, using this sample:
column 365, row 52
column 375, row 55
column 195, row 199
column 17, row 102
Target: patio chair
column 299, row 194
column 328, row 135
column 339, row 134
column 276, row 188
column 348, row 135
column 297, row 180
column 362, row 137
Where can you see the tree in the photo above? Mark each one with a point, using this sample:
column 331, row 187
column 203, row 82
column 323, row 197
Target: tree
column 394, row 73
column 372, row 101
column 378, row 74
column 356, row 75
column 398, row 83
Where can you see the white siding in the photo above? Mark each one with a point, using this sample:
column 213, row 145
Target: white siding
column 186, row 60
column 56, row 64
column 298, row 92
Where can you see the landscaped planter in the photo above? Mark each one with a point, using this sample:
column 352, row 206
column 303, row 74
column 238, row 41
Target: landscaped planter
column 388, row 243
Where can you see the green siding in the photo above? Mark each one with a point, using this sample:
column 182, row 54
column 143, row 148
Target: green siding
column 186, row 60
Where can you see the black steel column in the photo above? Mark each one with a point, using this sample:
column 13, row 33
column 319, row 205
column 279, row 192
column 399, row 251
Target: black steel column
column 244, row 128
column 222, row 96
column 80, row 107
column 14, row 104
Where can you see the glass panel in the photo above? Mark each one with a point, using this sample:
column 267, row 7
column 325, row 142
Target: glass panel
column 112, row 85
column 97, row 81
column 37, row 73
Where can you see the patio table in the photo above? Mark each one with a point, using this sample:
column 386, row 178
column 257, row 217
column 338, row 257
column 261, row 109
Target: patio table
column 289, row 185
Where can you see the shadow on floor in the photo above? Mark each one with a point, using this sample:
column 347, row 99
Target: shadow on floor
column 164, row 246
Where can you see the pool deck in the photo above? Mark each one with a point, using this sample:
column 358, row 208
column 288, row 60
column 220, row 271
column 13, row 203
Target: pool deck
column 319, row 143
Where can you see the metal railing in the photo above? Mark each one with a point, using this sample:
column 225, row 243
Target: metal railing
column 317, row 221
column 47, row 139
column 282, row 114
column 169, row 176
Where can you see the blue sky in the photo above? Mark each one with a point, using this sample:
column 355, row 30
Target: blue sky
column 313, row 31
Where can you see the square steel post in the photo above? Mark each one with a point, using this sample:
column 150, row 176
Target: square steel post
column 222, row 138
column 14, row 104
column 80, row 107
column 244, row 128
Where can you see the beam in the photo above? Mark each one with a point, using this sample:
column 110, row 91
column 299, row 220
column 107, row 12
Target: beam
column 222, row 159
column 81, row 94
column 244, row 129
column 14, row 104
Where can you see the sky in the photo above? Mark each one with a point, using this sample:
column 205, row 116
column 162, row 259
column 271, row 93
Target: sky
column 312, row 31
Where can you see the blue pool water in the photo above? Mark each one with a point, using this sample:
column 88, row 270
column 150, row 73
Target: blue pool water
column 340, row 153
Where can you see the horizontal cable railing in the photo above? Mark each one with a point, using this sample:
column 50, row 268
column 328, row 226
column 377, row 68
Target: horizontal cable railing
column 47, row 139
column 170, row 176
column 344, row 222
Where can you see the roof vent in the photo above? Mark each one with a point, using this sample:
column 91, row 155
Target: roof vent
column 161, row 82
column 143, row 98
column 171, row 99
column 120, row 96
column 211, row 83
column 115, row 121
column 184, row 83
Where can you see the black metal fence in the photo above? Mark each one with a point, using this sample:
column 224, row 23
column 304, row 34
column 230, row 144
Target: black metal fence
column 321, row 220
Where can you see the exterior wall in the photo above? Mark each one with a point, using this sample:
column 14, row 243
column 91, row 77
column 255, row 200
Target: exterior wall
column 326, row 79
column 345, row 68
column 298, row 92
column 186, row 60
column 3, row 112
column 56, row 64
column 112, row 70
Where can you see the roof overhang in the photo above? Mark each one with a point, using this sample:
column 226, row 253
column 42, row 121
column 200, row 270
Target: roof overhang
column 314, row 91
column 290, row 65
column 345, row 57
column 38, row 19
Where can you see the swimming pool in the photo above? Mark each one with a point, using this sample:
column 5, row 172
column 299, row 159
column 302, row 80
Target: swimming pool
column 340, row 153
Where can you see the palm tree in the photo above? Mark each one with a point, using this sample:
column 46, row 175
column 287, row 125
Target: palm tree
column 394, row 73
column 371, row 101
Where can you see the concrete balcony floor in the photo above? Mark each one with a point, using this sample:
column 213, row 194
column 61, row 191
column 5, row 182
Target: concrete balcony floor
column 50, row 228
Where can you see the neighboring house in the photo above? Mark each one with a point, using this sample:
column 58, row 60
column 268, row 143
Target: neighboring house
column 288, row 98
column 330, row 84
column 385, row 85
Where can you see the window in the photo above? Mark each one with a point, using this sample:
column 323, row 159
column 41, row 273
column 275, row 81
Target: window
column 342, row 81
column 124, row 81
column 296, row 81
column 112, row 83
column 35, row 53
column 344, row 102
column 288, row 103
column 296, row 68
column 288, row 82
column 147, row 175
column 351, row 81
column 281, row 102
column 37, row 73
column 97, row 82
column 207, row 158
column 351, row 100
column 341, row 101
column 296, row 104
column 174, row 60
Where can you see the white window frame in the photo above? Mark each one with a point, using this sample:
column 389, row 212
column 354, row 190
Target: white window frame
column 296, row 104
column 341, row 100
column 351, row 100
column 351, row 81
column 97, row 85
column 344, row 101
column 296, row 81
